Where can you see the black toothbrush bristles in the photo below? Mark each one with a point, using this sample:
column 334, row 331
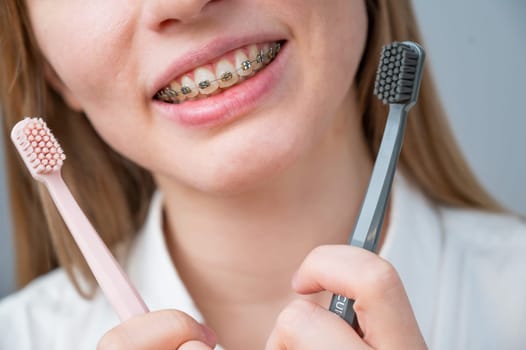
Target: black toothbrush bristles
column 395, row 77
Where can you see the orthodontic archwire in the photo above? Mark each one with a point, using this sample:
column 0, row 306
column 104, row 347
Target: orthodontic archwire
column 168, row 94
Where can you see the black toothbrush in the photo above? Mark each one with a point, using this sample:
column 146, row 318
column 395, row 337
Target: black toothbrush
column 397, row 83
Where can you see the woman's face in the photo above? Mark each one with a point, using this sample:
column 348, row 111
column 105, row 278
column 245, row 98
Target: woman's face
column 112, row 57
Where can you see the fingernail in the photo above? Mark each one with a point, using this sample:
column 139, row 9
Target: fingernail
column 210, row 335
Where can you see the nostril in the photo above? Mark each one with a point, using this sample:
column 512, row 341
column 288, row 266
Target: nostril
column 167, row 23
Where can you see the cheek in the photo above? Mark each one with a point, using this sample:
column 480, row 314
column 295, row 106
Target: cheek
column 89, row 46
column 331, row 40
column 336, row 43
column 85, row 42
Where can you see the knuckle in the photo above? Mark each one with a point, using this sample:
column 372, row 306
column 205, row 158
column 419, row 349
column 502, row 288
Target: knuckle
column 300, row 317
column 383, row 276
column 180, row 323
column 293, row 317
column 113, row 340
column 315, row 255
column 318, row 251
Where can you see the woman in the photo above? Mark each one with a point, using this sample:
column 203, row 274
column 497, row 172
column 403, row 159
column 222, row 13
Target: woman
column 215, row 202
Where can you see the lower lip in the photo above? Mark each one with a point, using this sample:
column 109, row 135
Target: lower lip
column 229, row 104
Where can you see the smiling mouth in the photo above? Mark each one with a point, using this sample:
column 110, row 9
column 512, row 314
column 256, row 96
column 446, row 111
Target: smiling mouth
column 213, row 78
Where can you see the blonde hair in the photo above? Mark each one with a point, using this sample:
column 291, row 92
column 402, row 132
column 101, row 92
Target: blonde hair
column 430, row 157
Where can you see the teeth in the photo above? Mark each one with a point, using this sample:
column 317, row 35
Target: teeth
column 205, row 80
column 205, row 83
column 253, row 53
column 226, row 74
column 177, row 88
column 242, row 61
column 265, row 49
column 188, row 85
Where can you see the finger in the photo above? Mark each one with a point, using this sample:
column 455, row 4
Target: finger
column 303, row 325
column 381, row 303
column 194, row 345
column 167, row 329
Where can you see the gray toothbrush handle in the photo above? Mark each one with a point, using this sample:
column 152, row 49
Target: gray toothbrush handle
column 343, row 307
column 366, row 232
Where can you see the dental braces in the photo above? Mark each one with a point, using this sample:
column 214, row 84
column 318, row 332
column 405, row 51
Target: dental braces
column 171, row 95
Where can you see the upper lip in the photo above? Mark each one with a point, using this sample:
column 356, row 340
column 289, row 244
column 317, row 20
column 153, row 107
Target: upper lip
column 205, row 53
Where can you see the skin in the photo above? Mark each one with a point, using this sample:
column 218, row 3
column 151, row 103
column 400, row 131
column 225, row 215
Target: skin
column 275, row 205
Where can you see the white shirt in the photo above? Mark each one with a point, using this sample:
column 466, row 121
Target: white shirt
column 464, row 272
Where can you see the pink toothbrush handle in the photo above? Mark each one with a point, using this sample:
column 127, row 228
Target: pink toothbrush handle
column 113, row 281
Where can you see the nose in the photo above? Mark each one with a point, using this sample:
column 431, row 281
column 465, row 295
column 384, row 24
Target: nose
column 159, row 12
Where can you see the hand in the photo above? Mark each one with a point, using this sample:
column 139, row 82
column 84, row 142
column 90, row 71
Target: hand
column 381, row 305
column 161, row 330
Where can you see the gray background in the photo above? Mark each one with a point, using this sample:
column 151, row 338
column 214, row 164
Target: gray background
column 477, row 52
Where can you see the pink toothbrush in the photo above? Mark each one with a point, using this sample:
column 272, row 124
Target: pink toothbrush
column 44, row 158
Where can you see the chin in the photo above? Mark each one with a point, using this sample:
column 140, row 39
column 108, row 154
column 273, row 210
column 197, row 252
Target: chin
column 240, row 172
column 236, row 179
